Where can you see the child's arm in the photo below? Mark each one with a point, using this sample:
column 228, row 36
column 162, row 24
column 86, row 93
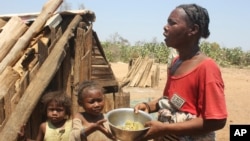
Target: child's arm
column 21, row 135
column 41, row 132
column 103, row 129
column 77, row 126
column 92, row 127
column 78, row 132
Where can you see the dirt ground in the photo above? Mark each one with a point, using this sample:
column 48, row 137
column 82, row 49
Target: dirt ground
column 237, row 88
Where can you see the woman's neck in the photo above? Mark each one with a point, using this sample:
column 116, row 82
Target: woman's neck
column 188, row 54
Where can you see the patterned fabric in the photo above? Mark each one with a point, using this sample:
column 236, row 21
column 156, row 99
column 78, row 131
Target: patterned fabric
column 54, row 134
column 169, row 114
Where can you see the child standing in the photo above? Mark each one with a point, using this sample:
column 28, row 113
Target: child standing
column 57, row 127
column 90, row 124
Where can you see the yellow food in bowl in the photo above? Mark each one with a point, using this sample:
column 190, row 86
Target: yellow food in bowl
column 132, row 125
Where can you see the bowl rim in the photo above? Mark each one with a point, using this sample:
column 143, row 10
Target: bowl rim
column 129, row 109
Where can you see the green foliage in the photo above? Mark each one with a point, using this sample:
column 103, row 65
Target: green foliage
column 119, row 49
column 124, row 53
column 213, row 50
column 226, row 56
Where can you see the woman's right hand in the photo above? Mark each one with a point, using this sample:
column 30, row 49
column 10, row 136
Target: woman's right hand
column 141, row 106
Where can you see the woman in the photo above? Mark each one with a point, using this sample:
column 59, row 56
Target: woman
column 193, row 103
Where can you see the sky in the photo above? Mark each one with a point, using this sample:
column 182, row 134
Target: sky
column 143, row 20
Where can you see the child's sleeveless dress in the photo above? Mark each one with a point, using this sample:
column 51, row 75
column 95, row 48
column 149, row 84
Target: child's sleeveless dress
column 54, row 134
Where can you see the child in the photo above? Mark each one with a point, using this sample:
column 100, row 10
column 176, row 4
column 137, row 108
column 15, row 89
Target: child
column 57, row 127
column 90, row 124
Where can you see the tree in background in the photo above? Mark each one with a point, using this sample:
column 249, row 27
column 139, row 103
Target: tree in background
column 118, row 48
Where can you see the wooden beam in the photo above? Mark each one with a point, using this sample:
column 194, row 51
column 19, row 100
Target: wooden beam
column 38, row 85
column 139, row 73
column 99, row 77
column 12, row 31
column 146, row 73
column 2, row 23
column 97, row 72
column 108, row 82
column 79, row 52
column 7, row 82
column 2, row 112
column 15, row 53
column 98, row 44
column 98, row 60
column 86, row 61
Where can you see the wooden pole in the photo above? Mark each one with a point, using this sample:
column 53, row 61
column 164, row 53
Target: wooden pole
column 13, row 30
column 39, row 83
column 2, row 23
column 15, row 53
column 6, row 93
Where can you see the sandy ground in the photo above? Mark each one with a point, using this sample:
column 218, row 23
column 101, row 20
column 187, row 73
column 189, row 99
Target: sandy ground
column 237, row 88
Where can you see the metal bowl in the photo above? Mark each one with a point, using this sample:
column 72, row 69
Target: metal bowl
column 118, row 117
